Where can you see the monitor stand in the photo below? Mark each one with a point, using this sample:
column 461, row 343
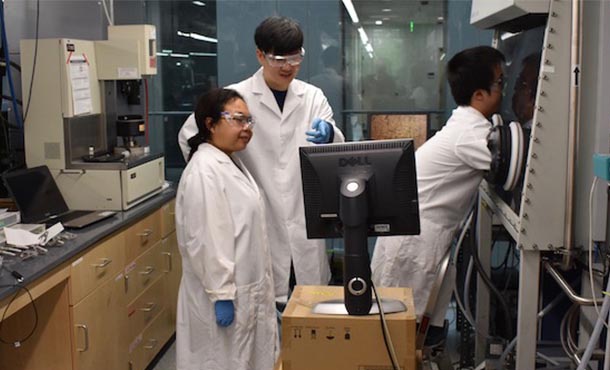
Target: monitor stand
column 337, row 307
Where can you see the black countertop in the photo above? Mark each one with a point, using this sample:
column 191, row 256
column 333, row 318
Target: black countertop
column 34, row 268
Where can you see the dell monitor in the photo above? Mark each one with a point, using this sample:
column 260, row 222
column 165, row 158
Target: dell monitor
column 356, row 190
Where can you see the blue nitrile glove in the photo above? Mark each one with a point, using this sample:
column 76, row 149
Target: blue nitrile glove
column 321, row 133
column 225, row 312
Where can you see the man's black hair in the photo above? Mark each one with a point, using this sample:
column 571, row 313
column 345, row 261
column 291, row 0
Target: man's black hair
column 472, row 69
column 210, row 105
column 279, row 35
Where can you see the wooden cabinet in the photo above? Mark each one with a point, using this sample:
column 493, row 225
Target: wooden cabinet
column 97, row 266
column 98, row 323
column 98, row 301
column 111, row 307
column 153, row 290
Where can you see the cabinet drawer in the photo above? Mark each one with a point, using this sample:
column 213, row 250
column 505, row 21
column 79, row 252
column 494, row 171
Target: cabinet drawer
column 143, row 271
column 97, row 266
column 173, row 271
column 146, row 307
column 142, row 235
column 168, row 218
column 99, row 332
column 146, row 346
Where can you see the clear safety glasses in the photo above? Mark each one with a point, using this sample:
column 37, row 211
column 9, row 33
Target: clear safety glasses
column 500, row 83
column 281, row 60
column 238, row 119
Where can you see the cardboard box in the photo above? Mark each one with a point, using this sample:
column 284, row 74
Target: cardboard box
column 312, row 341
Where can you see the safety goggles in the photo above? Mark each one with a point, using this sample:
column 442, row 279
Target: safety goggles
column 281, row 60
column 238, row 119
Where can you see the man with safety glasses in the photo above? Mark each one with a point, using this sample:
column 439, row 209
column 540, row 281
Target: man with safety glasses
column 289, row 113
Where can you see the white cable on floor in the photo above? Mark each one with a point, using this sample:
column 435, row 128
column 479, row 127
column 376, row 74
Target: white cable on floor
column 596, row 330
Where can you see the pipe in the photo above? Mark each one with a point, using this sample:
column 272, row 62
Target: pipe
column 599, row 324
column 573, row 124
column 566, row 287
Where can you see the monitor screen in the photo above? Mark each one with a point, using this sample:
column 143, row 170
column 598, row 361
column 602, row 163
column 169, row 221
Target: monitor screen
column 389, row 169
column 355, row 190
column 36, row 194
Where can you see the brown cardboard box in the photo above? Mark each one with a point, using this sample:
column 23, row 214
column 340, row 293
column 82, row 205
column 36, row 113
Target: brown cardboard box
column 318, row 342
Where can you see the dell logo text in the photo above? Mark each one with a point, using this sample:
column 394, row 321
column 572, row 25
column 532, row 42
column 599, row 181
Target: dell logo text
column 354, row 161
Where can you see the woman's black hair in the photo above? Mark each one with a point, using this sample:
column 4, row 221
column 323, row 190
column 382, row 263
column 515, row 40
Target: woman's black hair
column 472, row 69
column 209, row 106
column 278, row 35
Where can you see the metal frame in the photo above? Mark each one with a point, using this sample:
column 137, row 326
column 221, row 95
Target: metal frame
column 540, row 224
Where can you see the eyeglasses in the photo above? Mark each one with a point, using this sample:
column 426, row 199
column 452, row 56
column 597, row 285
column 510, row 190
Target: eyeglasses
column 238, row 119
column 281, row 60
column 500, row 82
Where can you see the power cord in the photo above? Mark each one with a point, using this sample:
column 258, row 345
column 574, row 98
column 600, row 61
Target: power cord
column 19, row 278
column 386, row 333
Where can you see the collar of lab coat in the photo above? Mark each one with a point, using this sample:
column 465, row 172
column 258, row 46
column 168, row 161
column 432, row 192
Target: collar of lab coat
column 296, row 89
column 467, row 109
column 240, row 172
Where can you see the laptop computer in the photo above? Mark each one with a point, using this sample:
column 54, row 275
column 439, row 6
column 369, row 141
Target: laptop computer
column 39, row 200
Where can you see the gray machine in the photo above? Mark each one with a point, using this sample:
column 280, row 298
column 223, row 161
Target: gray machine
column 86, row 118
column 548, row 219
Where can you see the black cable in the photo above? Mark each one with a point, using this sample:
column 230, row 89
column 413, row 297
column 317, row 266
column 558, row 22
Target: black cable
column 385, row 339
column 504, row 262
column 18, row 342
column 13, row 64
column 494, row 290
column 27, row 108
column 7, row 97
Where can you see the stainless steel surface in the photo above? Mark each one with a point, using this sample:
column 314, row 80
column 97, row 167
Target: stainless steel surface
column 573, row 128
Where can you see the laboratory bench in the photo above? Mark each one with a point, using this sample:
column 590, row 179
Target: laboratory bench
column 103, row 300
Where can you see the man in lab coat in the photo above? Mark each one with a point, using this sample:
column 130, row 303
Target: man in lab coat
column 289, row 113
column 450, row 167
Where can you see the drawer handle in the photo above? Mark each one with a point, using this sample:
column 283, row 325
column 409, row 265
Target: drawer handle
column 149, row 307
column 105, row 262
column 145, row 234
column 169, row 261
column 86, row 331
column 149, row 270
column 153, row 344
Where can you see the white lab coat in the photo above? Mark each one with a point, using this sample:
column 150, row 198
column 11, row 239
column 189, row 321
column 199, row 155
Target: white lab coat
column 225, row 256
column 273, row 158
column 450, row 167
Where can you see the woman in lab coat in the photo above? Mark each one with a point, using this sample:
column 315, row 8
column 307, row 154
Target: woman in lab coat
column 226, row 310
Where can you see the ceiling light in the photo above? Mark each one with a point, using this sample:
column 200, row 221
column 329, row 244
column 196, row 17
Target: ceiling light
column 197, row 36
column 198, row 3
column 196, row 54
column 379, row 23
column 363, row 36
column 351, row 10
column 507, row 35
column 386, row 10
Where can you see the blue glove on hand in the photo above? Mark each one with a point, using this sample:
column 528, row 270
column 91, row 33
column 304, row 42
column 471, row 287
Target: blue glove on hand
column 225, row 312
column 321, row 133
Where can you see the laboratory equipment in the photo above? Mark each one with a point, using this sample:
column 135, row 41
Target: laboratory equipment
column 80, row 89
